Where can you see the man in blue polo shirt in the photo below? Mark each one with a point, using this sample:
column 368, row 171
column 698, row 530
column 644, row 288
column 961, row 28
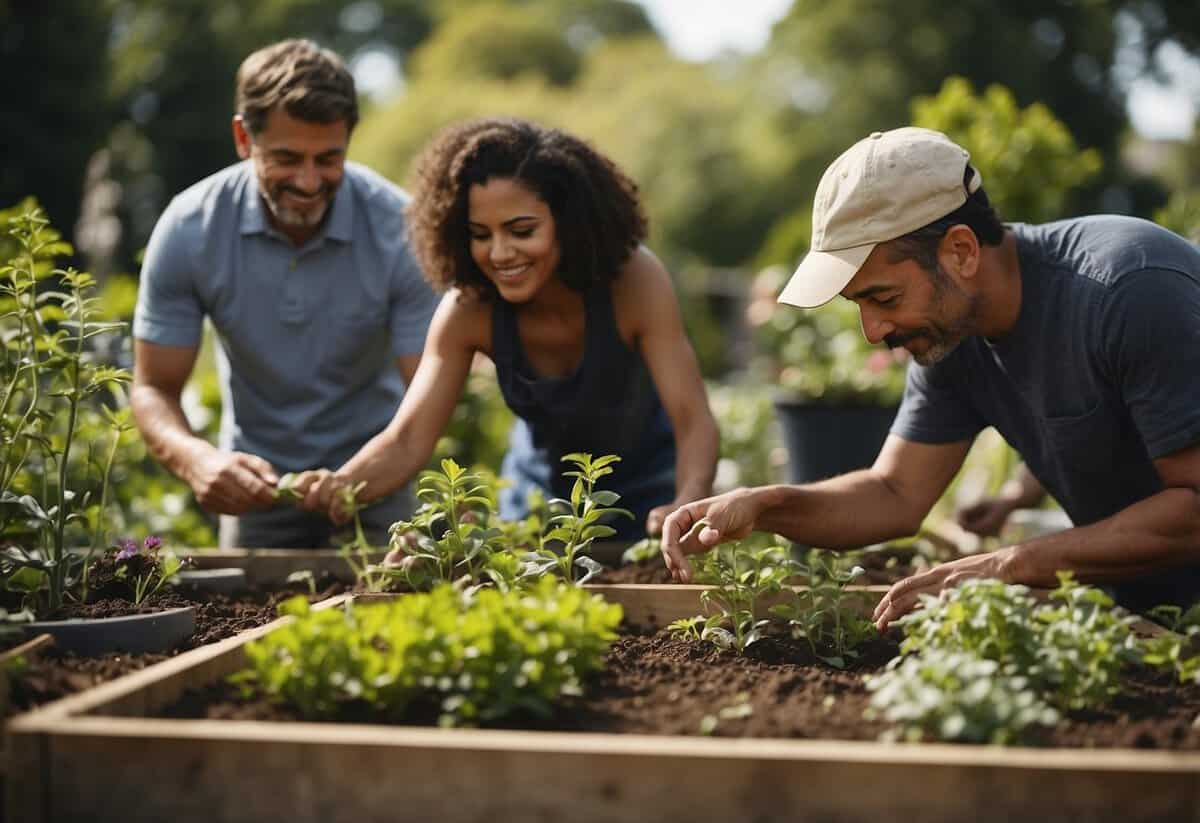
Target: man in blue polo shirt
column 1079, row 341
column 299, row 260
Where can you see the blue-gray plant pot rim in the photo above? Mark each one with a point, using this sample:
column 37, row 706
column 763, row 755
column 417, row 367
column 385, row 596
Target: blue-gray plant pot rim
column 221, row 581
column 133, row 633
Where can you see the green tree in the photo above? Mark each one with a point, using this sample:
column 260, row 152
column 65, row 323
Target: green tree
column 492, row 41
column 1029, row 160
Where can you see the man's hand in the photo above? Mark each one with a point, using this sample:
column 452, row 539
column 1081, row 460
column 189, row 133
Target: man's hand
column 658, row 515
column 986, row 517
column 700, row 525
column 318, row 491
column 232, row 482
column 905, row 595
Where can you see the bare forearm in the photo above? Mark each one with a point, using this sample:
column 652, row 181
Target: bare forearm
column 386, row 463
column 165, row 429
column 696, row 459
column 846, row 512
column 1157, row 533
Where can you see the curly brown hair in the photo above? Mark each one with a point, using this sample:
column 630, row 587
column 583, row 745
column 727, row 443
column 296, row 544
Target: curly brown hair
column 597, row 214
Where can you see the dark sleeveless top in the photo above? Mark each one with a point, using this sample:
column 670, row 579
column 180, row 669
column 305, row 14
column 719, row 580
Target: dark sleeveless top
column 608, row 405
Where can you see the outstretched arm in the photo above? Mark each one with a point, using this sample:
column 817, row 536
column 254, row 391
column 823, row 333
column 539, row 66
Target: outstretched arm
column 1154, row 534
column 886, row 501
column 391, row 458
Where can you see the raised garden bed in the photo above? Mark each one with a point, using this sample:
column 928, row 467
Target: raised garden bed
column 110, row 753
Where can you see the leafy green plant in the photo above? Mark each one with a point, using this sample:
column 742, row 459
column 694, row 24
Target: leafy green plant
column 51, row 378
column 955, row 695
column 986, row 618
column 1083, row 645
column 451, row 535
column 473, row 656
column 564, row 545
column 824, row 613
column 744, row 579
column 1068, row 653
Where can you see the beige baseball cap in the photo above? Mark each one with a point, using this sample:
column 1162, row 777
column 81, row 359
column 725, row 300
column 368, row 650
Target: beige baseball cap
column 884, row 186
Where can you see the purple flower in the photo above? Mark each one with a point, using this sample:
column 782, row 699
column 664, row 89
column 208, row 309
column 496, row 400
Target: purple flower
column 151, row 543
column 128, row 550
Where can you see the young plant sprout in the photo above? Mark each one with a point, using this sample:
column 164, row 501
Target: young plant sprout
column 563, row 547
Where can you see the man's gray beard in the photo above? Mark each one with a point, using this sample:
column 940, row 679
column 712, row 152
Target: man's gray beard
column 296, row 219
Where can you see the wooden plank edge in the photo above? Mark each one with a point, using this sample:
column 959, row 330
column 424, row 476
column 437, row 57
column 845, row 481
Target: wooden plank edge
column 632, row 745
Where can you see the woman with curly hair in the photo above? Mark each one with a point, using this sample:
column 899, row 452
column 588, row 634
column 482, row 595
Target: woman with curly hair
column 536, row 240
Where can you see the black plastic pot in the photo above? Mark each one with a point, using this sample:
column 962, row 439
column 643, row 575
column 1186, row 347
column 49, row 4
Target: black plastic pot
column 135, row 633
column 826, row 440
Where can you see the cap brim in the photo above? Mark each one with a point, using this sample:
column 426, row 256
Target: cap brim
column 822, row 275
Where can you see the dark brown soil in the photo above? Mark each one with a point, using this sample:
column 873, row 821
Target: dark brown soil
column 653, row 571
column 883, row 567
column 654, row 684
column 52, row 674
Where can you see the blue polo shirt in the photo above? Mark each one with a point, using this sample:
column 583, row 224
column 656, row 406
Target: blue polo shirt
column 306, row 337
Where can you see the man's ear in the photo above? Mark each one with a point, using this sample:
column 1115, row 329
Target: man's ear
column 958, row 251
column 241, row 137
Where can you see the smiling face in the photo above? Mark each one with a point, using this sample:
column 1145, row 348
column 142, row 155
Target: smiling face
column 513, row 238
column 904, row 305
column 299, row 165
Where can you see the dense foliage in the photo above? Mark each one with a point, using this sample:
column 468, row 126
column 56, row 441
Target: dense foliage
column 473, row 656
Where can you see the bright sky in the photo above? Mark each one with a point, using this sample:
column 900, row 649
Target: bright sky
column 700, row 29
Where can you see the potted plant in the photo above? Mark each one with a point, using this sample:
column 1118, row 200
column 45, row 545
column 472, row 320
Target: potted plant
column 836, row 393
column 54, row 483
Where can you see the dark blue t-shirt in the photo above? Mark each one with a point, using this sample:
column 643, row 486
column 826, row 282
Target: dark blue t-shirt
column 1100, row 375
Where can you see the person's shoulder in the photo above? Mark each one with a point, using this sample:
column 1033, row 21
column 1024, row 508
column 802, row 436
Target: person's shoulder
column 221, row 191
column 1108, row 248
column 642, row 274
column 375, row 190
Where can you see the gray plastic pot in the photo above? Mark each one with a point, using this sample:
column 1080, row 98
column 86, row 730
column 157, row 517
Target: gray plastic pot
column 135, row 633
column 217, row 581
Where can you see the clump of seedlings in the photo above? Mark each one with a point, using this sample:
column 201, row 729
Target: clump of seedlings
column 474, row 656
column 1067, row 653
column 752, row 581
column 451, row 535
column 955, row 695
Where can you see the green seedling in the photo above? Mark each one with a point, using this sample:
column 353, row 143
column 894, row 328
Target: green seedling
column 831, row 619
column 563, row 548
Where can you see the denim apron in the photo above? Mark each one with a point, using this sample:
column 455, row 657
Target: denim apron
column 607, row 406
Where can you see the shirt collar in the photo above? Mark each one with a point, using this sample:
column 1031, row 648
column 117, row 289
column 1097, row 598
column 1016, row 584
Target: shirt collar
column 338, row 226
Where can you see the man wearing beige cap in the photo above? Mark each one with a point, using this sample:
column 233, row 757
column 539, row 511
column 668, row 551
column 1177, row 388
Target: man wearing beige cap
column 1079, row 341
